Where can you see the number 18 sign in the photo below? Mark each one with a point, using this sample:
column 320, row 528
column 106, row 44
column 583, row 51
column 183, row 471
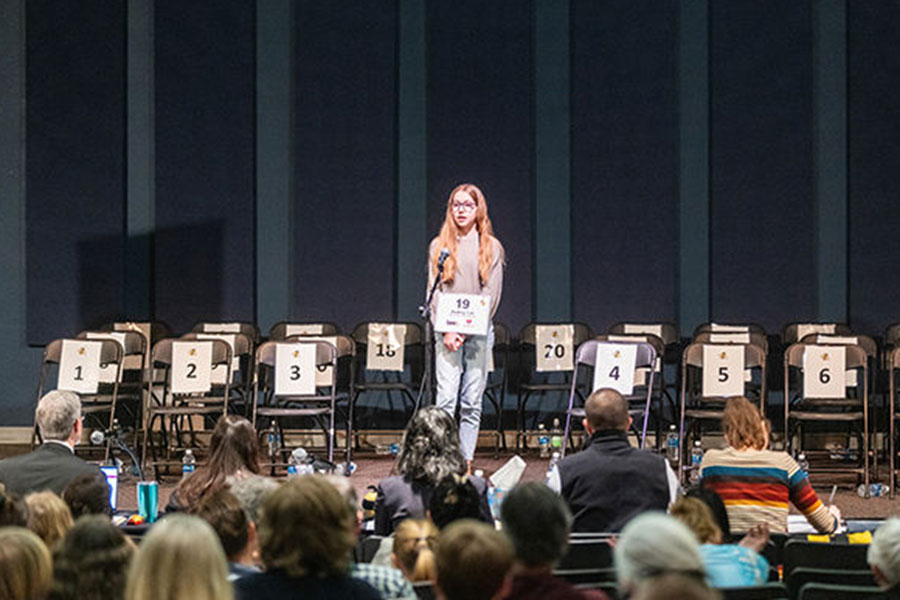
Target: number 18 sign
column 463, row 313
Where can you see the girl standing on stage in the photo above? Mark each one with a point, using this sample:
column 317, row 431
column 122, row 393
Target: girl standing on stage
column 474, row 266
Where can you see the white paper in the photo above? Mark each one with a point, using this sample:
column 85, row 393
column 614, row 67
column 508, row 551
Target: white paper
column 553, row 347
column 723, row 371
column 303, row 329
column 837, row 339
column 295, row 369
column 221, row 327
column 824, row 372
column 468, row 314
column 191, row 367
column 385, row 347
column 644, row 329
column 108, row 373
column 804, row 329
column 719, row 328
column 79, row 366
column 615, row 367
column 323, row 372
column 729, row 338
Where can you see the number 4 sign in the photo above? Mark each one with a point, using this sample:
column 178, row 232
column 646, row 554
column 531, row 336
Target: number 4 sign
column 295, row 369
column 615, row 367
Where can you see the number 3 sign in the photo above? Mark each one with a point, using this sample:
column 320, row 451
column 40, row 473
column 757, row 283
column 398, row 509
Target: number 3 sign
column 295, row 369
column 723, row 371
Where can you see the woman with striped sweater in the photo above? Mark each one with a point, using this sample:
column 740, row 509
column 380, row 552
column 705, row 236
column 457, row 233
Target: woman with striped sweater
column 757, row 484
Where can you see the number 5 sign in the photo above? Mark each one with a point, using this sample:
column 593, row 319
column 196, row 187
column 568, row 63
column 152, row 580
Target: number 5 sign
column 295, row 369
column 823, row 372
column 723, row 371
column 615, row 367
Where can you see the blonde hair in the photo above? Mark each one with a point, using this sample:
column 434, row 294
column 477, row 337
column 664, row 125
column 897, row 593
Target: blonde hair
column 26, row 570
column 48, row 516
column 744, row 424
column 694, row 513
column 414, row 541
column 180, row 557
column 447, row 238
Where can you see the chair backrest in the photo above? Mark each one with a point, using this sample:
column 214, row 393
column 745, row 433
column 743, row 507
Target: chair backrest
column 855, row 358
column 582, row 332
column 284, row 329
column 658, row 345
column 863, row 341
column 827, row 591
column 750, row 337
column 414, row 333
column 891, row 336
column 248, row 329
column 802, row 553
column 133, row 342
column 768, row 591
column 587, row 552
column 800, row 576
column 728, row 328
column 667, row 332
column 794, row 332
column 754, row 356
column 587, row 353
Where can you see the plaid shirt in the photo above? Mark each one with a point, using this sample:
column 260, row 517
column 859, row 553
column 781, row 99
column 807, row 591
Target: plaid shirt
column 389, row 582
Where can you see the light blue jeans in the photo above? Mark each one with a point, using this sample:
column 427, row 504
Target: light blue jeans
column 463, row 374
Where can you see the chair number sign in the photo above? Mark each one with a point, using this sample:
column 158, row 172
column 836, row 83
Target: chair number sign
column 295, row 369
column 469, row 314
column 615, row 367
column 79, row 366
column 323, row 372
column 723, row 371
column 191, row 367
column 303, row 329
column 384, row 347
column 823, row 372
column 553, row 347
column 229, row 339
column 108, row 372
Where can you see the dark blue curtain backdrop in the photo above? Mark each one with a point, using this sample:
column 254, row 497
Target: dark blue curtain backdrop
column 205, row 181
column 479, row 99
column 345, row 160
column 874, row 169
column 763, row 224
column 624, row 161
column 75, row 92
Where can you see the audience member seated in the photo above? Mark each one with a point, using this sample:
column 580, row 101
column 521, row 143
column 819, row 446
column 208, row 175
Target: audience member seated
column 674, row 587
column 473, row 562
column 53, row 464
column 251, row 492
column 757, row 484
column 236, row 531
column 389, row 581
column 455, row 498
column 429, row 454
column 537, row 522
column 91, row 562
column 727, row 565
column 88, row 494
column 48, row 516
column 13, row 510
column 180, row 557
column 306, row 535
column 233, row 453
column 25, row 567
column 884, row 557
column 715, row 504
column 610, row 481
column 655, row 544
column 413, row 549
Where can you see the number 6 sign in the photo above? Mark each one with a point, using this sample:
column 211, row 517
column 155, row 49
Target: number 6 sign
column 723, row 370
column 295, row 369
column 823, row 372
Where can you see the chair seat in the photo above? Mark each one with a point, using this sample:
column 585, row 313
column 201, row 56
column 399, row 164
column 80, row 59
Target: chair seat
column 703, row 413
column 545, row 387
column 272, row 411
column 186, row 410
column 803, row 415
column 383, row 386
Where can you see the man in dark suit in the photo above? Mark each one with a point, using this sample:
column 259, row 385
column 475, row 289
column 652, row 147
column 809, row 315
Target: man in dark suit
column 54, row 464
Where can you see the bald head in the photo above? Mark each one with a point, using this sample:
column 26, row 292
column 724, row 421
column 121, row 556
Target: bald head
column 606, row 409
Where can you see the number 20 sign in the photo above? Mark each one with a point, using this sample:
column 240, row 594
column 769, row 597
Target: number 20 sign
column 295, row 369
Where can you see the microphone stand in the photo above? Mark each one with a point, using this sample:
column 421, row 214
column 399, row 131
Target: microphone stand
column 427, row 384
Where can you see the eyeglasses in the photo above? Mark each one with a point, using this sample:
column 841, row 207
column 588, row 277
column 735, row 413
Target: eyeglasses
column 466, row 206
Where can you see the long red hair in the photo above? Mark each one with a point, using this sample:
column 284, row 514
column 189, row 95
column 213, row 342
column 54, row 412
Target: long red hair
column 447, row 238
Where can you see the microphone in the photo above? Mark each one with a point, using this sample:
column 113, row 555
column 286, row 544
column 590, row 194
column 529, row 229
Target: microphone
column 100, row 436
column 445, row 254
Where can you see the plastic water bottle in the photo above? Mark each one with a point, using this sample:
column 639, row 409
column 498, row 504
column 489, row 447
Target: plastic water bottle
column 875, row 490
column 804, row 464
column 554, row 459
column 556, row 436
column 696, row 459
column 299, row 463
column 273, row 446
column 543, row 441
column 672, row 445
column 188, row 463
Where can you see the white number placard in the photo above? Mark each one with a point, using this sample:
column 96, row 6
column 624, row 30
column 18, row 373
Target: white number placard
column 385, row 347
column 108, row 373
column 723, row 371
column 222, row 327
column 615, row 367
column 79, row 366
column 632, row 328
column 323, row 372
column 729, row 338
column 837, row 339
column 295, row 369
column 554, row 347
column 218, row 371
column 804, row 329
column 191, row 367
column 303, row 329
column 823, row 372
column 719, row 328
column 469, row 314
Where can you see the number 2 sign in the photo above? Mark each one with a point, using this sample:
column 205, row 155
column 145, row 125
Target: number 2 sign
column 191, row 367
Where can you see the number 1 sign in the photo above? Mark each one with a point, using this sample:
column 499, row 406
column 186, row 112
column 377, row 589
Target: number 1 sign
column 79, row 366
column 615, row 367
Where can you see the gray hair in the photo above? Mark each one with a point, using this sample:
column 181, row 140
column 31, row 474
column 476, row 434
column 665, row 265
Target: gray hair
column 884, row 551
column 653, row 544
column 537, row 522
column 57, row 413
column 252, row 492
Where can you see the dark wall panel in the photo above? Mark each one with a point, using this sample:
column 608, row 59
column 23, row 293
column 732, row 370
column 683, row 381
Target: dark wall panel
column 205, row 144
column 874, row 164
column 479, row 98
column 763, row 222
column 624, row 161
column 75, row 92
column 344, row 146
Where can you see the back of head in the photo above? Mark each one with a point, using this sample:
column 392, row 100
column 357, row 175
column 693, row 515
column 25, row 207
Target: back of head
column 674, row 586
column 226, row 516
column 653, row 544
column 744, row 424
column 88, row 494
column 13, row 510
column 414, row 542
column 454, row 498
column 91, row 562
column 56, row 414
column 884, row 552
column 473, row 560
column 25, row 566
column 251, row 492
column 430, row 450
column 307, row 528
column 180, row 557
column 711, row 499
column 48, row 516
column 694, row 513
column 606, row 410
column 537, row 522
